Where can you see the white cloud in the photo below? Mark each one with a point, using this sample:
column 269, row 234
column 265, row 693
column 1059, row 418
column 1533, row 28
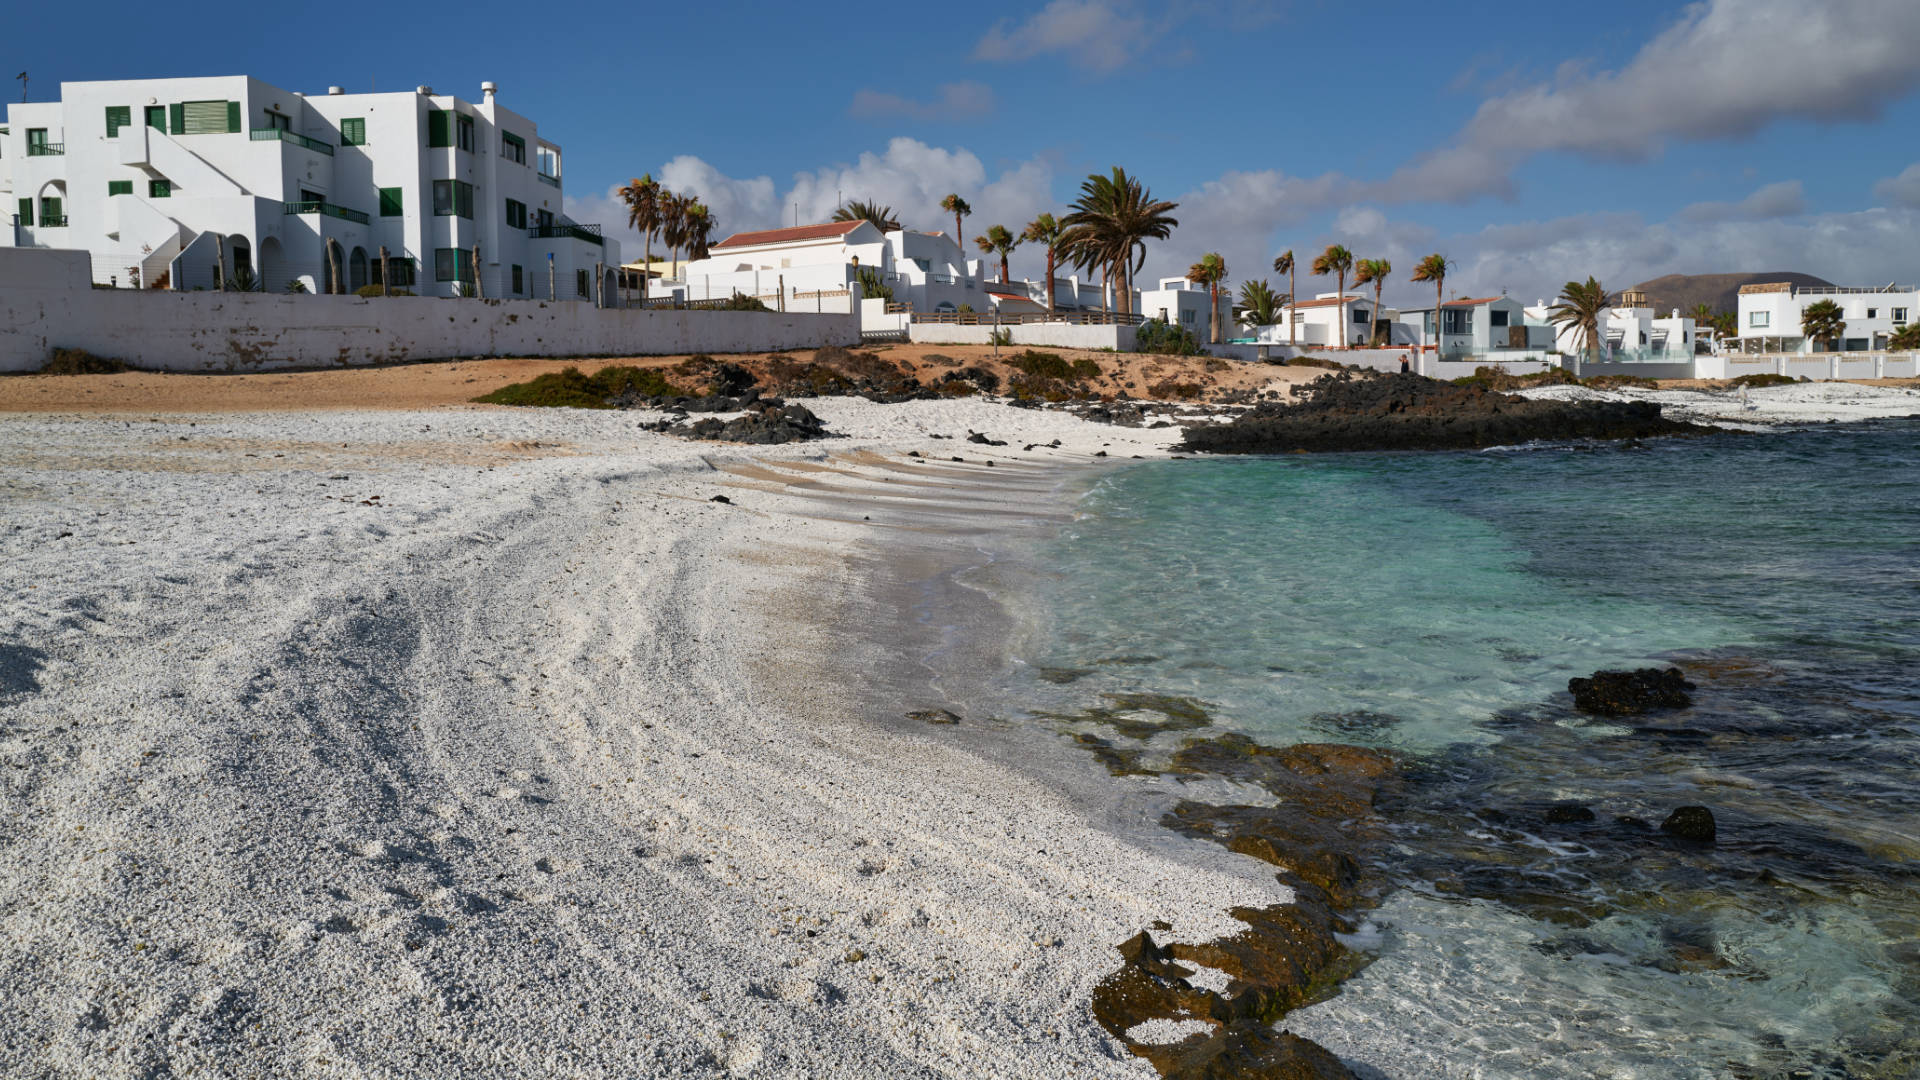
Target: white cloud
column 1902, row 190
column 1100, row 35
column 1784, row 199
column 1725, row 69
column 954, row 101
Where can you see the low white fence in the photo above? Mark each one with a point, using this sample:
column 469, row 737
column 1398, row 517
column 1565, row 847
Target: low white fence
column 1812, row 365
column 1049, row 334
column 48, row 302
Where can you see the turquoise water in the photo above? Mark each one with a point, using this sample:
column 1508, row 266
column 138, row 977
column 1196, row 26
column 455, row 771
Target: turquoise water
column 1437, row 604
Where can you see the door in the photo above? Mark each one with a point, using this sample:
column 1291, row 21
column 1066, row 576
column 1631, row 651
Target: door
column 157, row 117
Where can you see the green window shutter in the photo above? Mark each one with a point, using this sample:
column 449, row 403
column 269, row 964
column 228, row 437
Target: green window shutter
column 353, row 131
column 119, row 187
column 439, row 128
column 118, row 116
column 26, row 212
column 49, row 207
column 390, row 202
column 159, row 189
column 157, row 117
column 206, row 117
column 233, row 117
column 177, row 118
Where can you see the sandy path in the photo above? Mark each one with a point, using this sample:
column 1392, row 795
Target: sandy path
column 520, row 768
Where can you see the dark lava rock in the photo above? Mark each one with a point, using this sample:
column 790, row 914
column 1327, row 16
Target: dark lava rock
column 767, row 424
column 721, row 499
column 1690, row 823
column 1374, row 411
column 933, row 716
column 981, row 438
column 1626, row 693
column 1568, row 814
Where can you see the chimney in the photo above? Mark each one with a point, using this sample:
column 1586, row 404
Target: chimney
column 424, row 91
column 487, row 90
column 335, row 91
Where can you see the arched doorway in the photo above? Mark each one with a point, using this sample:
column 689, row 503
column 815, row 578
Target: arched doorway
column 357, row 270
column 240, row 264
column 274, row 271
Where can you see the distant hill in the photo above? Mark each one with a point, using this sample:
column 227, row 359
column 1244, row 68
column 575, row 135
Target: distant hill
column 1718, row 291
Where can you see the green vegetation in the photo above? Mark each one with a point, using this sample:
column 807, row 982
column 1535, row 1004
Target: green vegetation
column 1052, row 366
column 569, row 388
column 882, row 217
column 999, row 240
column 1763, row 379
column 1905, row 339
column 1109, row 227
column 1210, row 271
column 871, row 287
column 1823, row 321
column 81, row 362
column 1374, row 271
column 1174, row 391
column 1165, row 339
column 1259, row 305
column 1580, row 308
column 740, row 301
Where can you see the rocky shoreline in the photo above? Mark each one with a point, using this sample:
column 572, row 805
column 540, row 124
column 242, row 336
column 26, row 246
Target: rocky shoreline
column 1345, row 412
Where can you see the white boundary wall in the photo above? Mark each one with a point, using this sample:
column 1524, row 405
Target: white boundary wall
column 1056, row 335
column 47, row 301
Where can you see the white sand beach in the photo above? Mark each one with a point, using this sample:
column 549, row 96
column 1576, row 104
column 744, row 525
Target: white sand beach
column 478, row 742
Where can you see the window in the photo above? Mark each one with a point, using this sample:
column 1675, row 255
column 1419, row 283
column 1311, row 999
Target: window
column 279, row 121
column 118, row 116
column 1455, row 322
column 452, row 264
column 439, row 128
column 157, row 117
column 353, row 131
column 1873, row 313
column 1359, row 315
column 543, row 218
column 36, row 140
column 516, row 214
column 513, row 148
column 205, row 117
column 453, row 197
column 1499, row 317
column 519, row 280
column 119, row 187
column 466, row 133
column 401, row 269
column 580, row 282
column 391, row 204
column 159, row 189
column 50, row 215
column 1899, row 316
column 1760, row 319
column 26, row 212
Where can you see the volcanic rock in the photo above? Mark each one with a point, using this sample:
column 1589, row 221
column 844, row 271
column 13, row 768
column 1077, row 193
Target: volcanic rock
column 1626, row 693
column 1690, row 823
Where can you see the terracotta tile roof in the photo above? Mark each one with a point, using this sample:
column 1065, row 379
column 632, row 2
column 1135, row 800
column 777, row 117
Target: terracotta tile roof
column 1473, row 303
column 787, row 236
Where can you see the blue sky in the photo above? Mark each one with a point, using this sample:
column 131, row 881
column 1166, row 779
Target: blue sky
column 1656, row 137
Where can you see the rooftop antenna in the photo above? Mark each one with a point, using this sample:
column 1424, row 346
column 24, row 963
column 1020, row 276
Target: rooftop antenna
column 23, row 85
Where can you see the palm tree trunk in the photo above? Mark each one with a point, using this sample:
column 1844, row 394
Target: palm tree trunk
column 1373, row 324
column 957, row 234
column 646, row 273
column 1003, row 268
column 1341, row 281
column 1293, row 312
column 1050, row 280
column 1213, row 316
column 1439, row 298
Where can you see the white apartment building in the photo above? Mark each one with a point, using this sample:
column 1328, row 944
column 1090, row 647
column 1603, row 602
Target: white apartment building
column 1770, row 316
column 1631, row 332
column 165, row 181
column 1184, row 304
column 1320, row 322
column 813, row 266
column 1069, row 294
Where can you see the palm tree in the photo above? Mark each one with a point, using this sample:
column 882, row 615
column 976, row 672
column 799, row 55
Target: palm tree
column 673, row 223
column 1259, row 304
column 1283, row 264
column 1210, row 271
column 1726, row 324
column 957, row 206
column 1112, row 221
column 642, row 197
column 1823, row 320
column 1434, row 268
column 1905, row 339
column 1336, row 260
column 1046, row 232
column 998, row 241
column 699, row 228
column 1579, row 309
column 1376, row 271
column 1702, row 314
column 863, row 210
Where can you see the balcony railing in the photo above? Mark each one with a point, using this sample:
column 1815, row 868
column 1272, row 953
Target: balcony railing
column 589, row 233
column 545, row 179
column 270, row 134
column 47, row 149
column 53, row 221
column 329, row 210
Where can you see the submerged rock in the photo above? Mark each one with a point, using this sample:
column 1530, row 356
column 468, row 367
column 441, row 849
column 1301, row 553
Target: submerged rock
column 1691, row 823
column 1373, row 411
column 1626, row 693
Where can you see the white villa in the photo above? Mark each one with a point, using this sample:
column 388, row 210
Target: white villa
column 812, row 267
column 1633, row 332
column 1770, row 316
column 1320, row 322
column 171, row 182
column 1184, row 304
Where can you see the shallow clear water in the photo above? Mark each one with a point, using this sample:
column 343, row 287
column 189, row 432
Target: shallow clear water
column 1438, row 604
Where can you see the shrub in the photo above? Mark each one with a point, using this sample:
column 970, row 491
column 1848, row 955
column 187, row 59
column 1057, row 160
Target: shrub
column 569, row 388
column 1316, row 361
column 980, row 377
column 1763, row 379
column 1615, row 382
column 740, row 301
column 1162, row 337
column 1214, row 363
column 81, row 362
column 1000, row 336
column 1496, row 378
column 1174, row 391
